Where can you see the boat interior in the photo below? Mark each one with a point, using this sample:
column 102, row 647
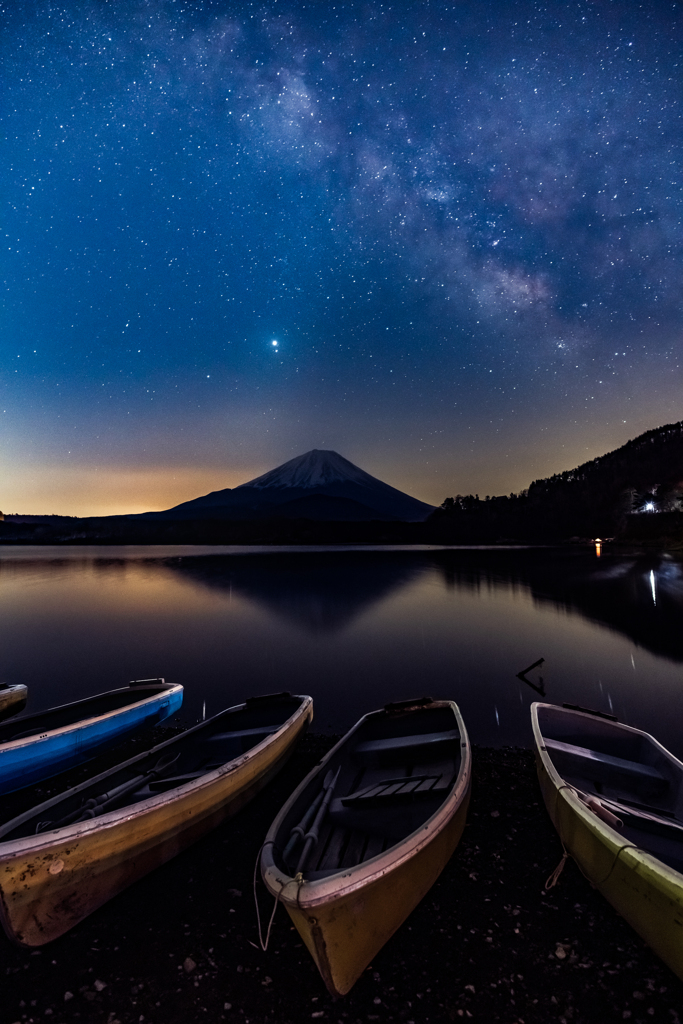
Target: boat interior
column 165, row 768
column 388, row 778
column 630, row 774
column 90, row 707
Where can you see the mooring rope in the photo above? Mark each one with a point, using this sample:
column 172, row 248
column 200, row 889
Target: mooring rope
column 552, row 879
column 299, row 879
column 594, row 805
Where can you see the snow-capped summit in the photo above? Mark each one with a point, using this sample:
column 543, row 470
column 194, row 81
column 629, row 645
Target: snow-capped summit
column 317, row 485
column 316, row 468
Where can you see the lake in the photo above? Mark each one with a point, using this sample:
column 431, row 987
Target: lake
column 354, row 627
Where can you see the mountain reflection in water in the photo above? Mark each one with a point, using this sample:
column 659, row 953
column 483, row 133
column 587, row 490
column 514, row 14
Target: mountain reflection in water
column 320, row 593
column 641, row 596
column 354, row 628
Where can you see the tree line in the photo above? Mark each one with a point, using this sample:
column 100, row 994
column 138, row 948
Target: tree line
column 634, row 491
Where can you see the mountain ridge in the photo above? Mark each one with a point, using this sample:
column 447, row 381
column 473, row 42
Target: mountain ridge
column 320, row 485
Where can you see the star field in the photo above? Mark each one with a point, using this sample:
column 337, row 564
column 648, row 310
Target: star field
column 443, row 239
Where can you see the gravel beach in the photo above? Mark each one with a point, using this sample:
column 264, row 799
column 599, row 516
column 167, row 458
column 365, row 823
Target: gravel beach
column 486, row 944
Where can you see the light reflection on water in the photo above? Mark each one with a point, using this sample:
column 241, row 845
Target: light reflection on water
column 353, row 628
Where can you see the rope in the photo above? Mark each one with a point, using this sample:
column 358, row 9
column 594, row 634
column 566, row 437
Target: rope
column 600, row 811
column 553, row 879
column 299, row 879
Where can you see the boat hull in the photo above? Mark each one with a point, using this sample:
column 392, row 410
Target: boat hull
column 50, row 882
column 26, row 761
column 346, row 917
column 346, row 932
column 645, row 891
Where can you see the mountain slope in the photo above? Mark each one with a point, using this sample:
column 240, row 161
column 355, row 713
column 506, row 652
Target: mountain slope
column 320, row 485
column 315, row 469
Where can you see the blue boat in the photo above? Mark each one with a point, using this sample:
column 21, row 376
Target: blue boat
column 41, row 745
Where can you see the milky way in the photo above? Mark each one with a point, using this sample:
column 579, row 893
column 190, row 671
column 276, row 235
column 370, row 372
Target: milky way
column 461, row 224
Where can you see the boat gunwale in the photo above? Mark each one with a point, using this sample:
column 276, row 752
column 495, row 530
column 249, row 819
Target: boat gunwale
column 111, row 819
column 167, row 689
column 346, row 881
column 565, row 789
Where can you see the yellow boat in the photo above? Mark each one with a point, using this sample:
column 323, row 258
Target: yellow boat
column 368, row 832
column 615, row 796
column 63, row 859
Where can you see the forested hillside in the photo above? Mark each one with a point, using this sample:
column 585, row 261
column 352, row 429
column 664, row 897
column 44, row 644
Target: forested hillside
column 635, row 491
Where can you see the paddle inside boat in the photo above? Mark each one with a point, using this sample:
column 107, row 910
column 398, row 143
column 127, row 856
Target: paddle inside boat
column 368, row 832
column 69, row 855
column 615, row 796
column 41, row 745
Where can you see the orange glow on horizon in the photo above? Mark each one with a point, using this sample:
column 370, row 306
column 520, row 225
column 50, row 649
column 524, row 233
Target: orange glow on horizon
column 111, row 490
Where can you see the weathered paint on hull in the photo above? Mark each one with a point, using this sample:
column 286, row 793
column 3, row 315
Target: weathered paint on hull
column 12, row 700
column 345, row 933
column 646, row 892
column 50, row 882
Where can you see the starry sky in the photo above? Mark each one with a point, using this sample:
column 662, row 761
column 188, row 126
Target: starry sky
column 443, row 239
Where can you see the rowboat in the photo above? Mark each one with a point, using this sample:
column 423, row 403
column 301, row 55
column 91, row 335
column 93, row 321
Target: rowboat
column 368, row 832
column 63, row 859
column 40, row 745
column 615, row 796
column 12, row 699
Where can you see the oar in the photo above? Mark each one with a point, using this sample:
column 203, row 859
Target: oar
column 311, row 837
column 299, row 830
column 92, row 808
column 601, row 806
column 633, row 812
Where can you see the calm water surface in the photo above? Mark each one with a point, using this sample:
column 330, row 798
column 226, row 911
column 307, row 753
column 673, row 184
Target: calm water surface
column 354, row 628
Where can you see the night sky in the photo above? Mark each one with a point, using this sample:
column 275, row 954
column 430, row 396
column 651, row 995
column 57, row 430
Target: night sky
column 442, row 239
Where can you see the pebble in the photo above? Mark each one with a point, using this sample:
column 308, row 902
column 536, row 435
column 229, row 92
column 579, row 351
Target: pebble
column 68, row 996
column 189, row 964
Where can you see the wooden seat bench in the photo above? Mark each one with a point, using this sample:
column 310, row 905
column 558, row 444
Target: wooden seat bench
column 407, row 744
column 392, row 790
column 608, row 766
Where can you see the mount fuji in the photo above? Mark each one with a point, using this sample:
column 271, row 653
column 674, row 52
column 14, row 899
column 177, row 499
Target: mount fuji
column 319, row 485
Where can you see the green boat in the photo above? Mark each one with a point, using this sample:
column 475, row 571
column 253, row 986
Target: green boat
column 615, row 796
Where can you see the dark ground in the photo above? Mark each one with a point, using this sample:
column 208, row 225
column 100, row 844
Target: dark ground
column 485, row 945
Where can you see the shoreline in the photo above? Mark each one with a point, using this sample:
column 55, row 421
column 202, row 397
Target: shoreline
column 486, row 943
